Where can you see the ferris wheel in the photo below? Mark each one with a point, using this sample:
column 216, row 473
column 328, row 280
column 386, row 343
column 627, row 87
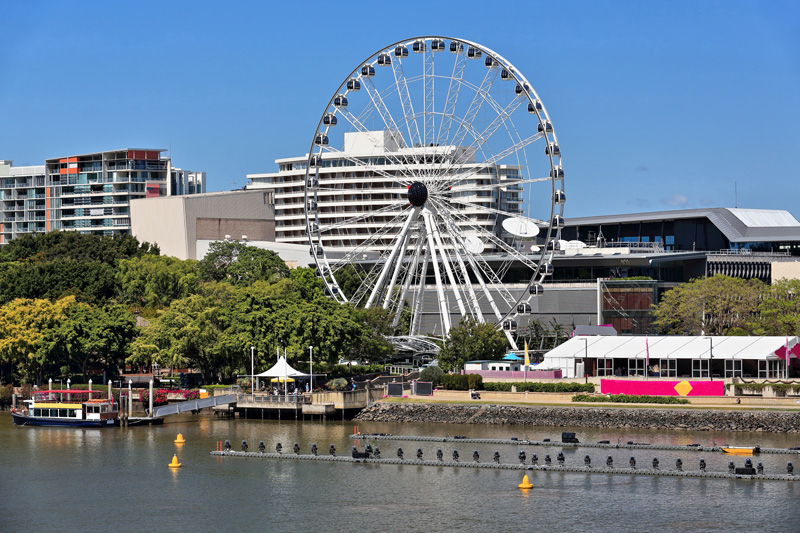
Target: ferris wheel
column 434, row 185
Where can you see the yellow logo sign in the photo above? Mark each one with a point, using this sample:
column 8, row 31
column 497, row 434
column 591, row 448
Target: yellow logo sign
column 683, row 388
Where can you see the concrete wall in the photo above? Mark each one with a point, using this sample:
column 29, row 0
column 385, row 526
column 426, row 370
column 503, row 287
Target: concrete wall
column 176, row 223
column 785, row 270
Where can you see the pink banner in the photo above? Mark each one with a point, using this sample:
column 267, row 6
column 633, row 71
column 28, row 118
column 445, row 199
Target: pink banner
column 662, row 388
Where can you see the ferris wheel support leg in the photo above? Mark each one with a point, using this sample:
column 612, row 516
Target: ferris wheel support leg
column 416, row 311
column 382, row 278
column 410, row 271
column 444, row 311
column 473, row 299
column 397, row 266
column 449, row 271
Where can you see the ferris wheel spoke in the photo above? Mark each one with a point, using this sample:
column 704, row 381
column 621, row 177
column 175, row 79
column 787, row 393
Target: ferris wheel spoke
column 405, row 101
column 400, row 242
column 492, row 210
column 514, row 148
column 352, row 220
column 510, row 250
column 444, row 309
column 459, row 250
column 398, row 264
column 419, row 294
column 411, row 271
column 360, row 166
column 475, row 106
column 360, row 127
column 356, row 253
column 493, row 186
column 446, row 261
column 484, row 136
column 428, row 81
column 452, row 97
column 383, row 111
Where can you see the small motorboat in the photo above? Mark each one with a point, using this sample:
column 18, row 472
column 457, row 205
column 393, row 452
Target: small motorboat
column 742, row 450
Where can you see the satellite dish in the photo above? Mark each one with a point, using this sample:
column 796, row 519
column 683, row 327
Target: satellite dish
column 521, row 227
column 474, row 245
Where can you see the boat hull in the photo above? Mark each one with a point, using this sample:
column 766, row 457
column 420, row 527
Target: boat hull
column 741, row 451
column 24, row 420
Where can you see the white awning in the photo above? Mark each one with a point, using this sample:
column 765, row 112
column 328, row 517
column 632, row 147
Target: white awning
column 281, row 369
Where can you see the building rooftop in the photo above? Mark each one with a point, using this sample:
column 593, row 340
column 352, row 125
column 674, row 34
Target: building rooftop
column 738, row 225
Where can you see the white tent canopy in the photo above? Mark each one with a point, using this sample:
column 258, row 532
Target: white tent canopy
column 665, row 347
column 281, row 369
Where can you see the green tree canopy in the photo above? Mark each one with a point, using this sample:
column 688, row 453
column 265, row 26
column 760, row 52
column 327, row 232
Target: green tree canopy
column 779, row 309
column 27, row 335
column 711, row 306
column 239, row 264
column 154, row 281
column 90, row 281
column 71, row 245
column 471, row 341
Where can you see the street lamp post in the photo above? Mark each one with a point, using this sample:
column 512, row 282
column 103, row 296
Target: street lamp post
column 68, row 382
column 710, row 358
column 252, row 370
column 311, row 365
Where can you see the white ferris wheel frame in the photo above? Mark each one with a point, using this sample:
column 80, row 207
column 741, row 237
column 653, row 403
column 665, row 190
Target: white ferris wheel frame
column 430, row 219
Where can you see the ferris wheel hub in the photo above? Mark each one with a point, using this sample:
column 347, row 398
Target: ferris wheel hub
column 417, row 194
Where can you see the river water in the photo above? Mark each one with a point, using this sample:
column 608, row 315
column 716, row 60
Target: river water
column 118, row 480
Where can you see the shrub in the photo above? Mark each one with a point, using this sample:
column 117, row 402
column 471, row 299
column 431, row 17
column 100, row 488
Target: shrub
column 475, row 381
column 337, row 384
column 455, row 381
column 432, row 374
column 629, row 398
column 540, row 387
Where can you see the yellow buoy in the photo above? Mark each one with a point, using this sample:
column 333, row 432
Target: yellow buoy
column 179, row 439
column 525, row 483
column 174, row 463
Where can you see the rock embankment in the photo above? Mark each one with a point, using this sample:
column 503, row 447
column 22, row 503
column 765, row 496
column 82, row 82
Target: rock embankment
column 595, row 417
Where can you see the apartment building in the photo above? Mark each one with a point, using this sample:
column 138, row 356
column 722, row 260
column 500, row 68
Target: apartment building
column 90, row 193
column 356, row 186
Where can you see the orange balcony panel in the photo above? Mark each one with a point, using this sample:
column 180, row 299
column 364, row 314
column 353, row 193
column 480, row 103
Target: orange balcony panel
column 73, row 170
column 72, row 160
column 62, row 170
column 64, row 160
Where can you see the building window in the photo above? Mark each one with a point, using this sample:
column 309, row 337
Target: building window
column 668, row 368
column 636, row 367
column 605, row 367
column 733, row 368
column 700, row 368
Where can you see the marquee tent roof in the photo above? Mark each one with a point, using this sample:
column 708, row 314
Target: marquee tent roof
column 281, row 369
column 675, row 347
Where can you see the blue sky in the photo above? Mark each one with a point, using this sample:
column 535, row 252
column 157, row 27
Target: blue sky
column 656, row 105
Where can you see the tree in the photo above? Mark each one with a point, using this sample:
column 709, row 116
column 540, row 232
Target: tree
column 239, row 264
column 779, row 309
column 469, row 341
column 71, row 245
column 94, row 335
column 373, row 345
column 432, row 374
column 710, row 306
column 191, row 332
column 153, row 281
column 90, row 281
column 27, row 335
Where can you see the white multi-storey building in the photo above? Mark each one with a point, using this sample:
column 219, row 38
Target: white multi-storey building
column 356, row 184
column 90, row 193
